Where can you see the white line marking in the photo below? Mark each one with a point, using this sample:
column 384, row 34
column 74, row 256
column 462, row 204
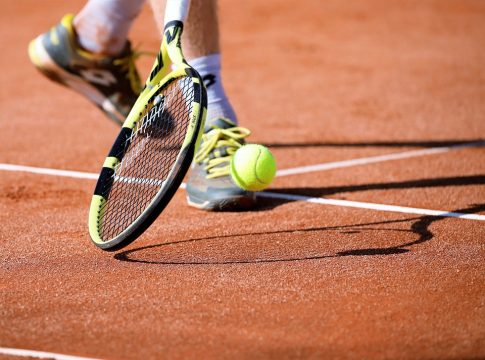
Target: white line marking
column 46, row 171
column 371, row 206
column 40, row 354
column 140, row 181
column 68, row 173
column 284, row 172
column 345, row 203
column 320, row 167
column 76, row 174
column 376, row 159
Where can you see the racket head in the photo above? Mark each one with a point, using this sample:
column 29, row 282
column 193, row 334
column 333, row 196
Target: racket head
column 153, row 150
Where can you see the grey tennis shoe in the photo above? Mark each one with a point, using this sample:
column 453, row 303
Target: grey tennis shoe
column 111, row 83
column 210, row 186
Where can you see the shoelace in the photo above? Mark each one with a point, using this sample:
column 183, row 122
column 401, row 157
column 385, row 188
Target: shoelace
column 228, row 139
column 127, row 64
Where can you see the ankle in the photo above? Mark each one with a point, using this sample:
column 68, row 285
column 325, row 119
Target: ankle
column 218, row 105
column 88, row 38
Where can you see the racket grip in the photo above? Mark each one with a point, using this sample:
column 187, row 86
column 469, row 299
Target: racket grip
column 176, row 10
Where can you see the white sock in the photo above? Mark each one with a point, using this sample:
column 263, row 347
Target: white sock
column 103, row 25
column 218, row 105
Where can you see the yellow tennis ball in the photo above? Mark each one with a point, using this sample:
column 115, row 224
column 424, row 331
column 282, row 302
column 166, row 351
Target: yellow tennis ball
column 253, row 167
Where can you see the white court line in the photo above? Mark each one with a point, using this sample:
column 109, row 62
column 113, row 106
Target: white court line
column 76, row 174
column 40, row 354
column 321, row 167
column 376, row 159
column 139, row 181
column 371, row 206
column 284, row 172
column 46, row 171
column 345, row 203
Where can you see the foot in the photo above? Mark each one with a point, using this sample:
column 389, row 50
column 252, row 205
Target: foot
column 110, row 82
column 210, row 186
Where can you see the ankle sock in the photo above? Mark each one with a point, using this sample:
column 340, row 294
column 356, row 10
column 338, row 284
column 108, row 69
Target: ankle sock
column 218, row 105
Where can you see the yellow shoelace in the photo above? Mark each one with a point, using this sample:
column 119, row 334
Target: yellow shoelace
column 127, row 63
column 229, row 140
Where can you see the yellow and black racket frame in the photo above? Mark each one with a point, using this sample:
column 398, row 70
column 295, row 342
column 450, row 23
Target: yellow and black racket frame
column 161, row 76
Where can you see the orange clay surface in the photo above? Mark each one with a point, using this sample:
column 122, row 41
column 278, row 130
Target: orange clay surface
column 320, row 82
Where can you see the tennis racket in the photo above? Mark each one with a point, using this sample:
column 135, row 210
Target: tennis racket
column 155, row 147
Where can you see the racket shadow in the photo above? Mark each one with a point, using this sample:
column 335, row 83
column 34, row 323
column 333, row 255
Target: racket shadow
column 294, row 245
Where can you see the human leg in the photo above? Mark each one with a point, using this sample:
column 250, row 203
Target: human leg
column 102, row 26
column 209, row 185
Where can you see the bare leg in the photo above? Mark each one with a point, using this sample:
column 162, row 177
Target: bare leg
column 201, row 31
column 200, row 42
column 103, row 25
column 210, row 189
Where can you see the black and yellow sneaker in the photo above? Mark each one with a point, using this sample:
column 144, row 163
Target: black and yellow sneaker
column 111, row 83
column 210, row 186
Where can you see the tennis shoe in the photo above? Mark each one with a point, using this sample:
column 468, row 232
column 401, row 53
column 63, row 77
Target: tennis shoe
column 112, row 83
column 210, row 186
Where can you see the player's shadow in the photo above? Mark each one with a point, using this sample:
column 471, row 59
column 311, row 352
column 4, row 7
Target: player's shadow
column 161, row 254
column 392, row 144
column 266, row 203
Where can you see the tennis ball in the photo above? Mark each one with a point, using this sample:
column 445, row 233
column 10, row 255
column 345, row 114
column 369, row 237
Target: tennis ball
column 253, row 167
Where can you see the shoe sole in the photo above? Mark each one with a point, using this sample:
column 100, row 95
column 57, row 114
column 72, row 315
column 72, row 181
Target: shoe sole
column 234, row 203
column 45, row 64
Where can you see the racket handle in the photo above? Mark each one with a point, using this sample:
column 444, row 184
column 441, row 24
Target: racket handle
column 176, row 10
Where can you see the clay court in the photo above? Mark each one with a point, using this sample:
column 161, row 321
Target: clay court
column 369, row 244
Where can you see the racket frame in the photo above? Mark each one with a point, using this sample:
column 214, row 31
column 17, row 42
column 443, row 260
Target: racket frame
column 161, row 76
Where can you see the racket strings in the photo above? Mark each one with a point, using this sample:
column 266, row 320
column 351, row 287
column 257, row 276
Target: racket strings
column 149, row 156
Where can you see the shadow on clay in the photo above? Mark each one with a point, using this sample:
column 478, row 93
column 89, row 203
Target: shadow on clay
column 419, row 226
column 267, row 204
